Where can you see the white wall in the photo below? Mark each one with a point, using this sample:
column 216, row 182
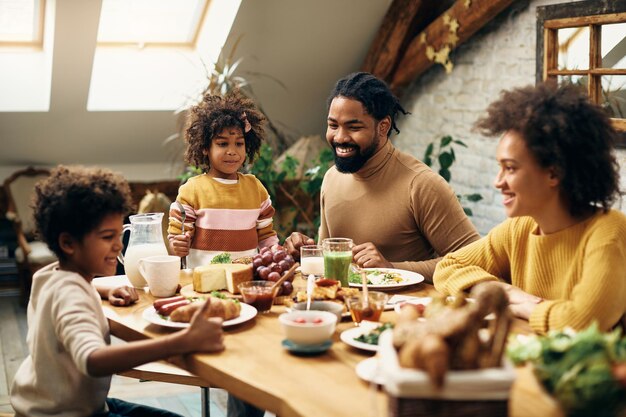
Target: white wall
column 501, row 56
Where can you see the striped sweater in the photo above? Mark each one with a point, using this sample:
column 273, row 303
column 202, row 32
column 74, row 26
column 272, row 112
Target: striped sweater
column 578, row 271
column 232, row 216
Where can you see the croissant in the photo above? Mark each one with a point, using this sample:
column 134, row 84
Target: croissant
column 226, row 309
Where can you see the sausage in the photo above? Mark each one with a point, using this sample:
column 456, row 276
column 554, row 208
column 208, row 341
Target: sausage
column 167, row 309
column 161, row 302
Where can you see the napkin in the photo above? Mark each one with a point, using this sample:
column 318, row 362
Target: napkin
column 398, row 298
column 111, row 282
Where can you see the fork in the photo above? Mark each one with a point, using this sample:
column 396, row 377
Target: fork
column 183, row 215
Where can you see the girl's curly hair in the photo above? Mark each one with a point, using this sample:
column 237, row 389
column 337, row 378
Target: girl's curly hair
column 75, row 200
column 214, row 114
column 565, row 131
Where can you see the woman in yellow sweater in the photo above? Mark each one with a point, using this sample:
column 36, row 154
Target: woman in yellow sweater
column 560, row 255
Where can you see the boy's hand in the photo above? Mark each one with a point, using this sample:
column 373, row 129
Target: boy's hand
column 122, row 296
column 295, row 241
column 180, row 244
column 205, row 335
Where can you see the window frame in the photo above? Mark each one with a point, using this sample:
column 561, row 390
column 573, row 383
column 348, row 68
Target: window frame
column 191, row 44
column 39, row 27
column 592, row 14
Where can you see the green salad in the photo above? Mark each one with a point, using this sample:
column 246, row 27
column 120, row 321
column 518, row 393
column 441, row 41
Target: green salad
column 221, row 295
column 381, row 277
column 577, row 368
column 371, row 338
column 222, row 258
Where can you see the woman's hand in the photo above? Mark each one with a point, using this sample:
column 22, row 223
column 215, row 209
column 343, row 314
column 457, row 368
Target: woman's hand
column 204, row 335
column 294, row 242
column 366, row 255
column 180, row 244
column 122, row 296
column 521, row 303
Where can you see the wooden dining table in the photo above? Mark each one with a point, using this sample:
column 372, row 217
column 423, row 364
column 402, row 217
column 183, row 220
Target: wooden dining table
column 256, row 368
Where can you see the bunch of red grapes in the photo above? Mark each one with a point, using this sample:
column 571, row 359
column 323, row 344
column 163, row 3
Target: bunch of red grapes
column 270, row 264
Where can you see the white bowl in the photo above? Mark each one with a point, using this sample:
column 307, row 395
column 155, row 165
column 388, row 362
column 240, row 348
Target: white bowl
column 317, row 326
column 330, row 306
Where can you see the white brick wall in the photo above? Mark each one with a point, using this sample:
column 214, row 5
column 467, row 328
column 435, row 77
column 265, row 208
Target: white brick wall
column 501, row 56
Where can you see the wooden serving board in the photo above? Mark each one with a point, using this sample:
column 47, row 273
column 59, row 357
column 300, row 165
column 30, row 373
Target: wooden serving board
column 188, row 291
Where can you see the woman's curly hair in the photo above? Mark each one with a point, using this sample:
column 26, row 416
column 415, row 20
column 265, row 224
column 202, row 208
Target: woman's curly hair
column 216, row 113
column 565, row 131
column 75, row 200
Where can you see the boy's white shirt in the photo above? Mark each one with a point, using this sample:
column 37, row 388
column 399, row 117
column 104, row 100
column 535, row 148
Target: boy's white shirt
column 65, row 325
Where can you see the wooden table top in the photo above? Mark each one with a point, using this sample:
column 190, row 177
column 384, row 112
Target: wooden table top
column 256, row 368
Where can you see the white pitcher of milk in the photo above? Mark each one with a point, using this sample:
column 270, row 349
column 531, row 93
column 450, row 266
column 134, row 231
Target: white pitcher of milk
column 146, row 239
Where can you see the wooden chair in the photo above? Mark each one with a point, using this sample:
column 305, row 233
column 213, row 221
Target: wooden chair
column 30, row 254
column 162, row 371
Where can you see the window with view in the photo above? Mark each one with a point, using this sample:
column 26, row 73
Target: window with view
column 585, row 43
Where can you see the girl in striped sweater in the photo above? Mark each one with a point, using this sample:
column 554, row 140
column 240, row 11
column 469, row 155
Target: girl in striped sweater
column 226, row 211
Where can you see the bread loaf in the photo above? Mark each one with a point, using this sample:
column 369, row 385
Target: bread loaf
column 236, row 274
column 217, row 277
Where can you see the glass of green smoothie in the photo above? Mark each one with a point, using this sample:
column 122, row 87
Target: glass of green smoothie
column 337, row 258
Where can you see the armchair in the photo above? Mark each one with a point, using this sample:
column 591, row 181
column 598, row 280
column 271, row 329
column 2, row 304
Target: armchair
column 30, row 254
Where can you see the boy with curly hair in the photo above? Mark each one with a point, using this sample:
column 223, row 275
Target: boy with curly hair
column 226, row 211
column 79, row 213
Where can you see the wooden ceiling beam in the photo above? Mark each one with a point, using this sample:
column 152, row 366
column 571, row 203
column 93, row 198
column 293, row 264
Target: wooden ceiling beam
column 404, row 19
column 449, row 30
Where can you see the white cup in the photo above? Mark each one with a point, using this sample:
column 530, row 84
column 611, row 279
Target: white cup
column 162, row 273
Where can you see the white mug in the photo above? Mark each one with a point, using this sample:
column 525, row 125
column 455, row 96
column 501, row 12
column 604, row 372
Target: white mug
column 162, row 273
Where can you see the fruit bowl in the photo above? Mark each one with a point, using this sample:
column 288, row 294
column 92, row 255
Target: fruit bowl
column 308, row 327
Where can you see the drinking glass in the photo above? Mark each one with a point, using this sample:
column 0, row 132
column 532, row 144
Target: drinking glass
column 337, row 258
column 371, row 311
column 311, row 261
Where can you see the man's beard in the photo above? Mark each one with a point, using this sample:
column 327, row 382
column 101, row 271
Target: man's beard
column 354, row 163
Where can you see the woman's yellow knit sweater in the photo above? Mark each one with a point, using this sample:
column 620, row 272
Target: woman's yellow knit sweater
column 579, row 271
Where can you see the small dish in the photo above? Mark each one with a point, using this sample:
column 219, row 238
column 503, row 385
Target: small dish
column 306, row 349
column 349, row 336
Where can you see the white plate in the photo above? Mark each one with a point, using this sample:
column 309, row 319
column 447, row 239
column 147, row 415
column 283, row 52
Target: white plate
column 247, row 313
column 408, row 278
column 368, row 370
column 426, row 300
column 419, row 300
column 347, row 336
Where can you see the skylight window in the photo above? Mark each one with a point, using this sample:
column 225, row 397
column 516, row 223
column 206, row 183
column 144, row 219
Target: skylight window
column 150, row 21
column 21, row 21
column 154, row 55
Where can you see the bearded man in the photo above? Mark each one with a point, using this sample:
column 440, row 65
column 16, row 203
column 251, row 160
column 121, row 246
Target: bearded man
column 399, row 213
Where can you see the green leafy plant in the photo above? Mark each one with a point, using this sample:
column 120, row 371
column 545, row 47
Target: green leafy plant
column 443, row 154
column 301, row 194
column 224, row 78
column 578, row 369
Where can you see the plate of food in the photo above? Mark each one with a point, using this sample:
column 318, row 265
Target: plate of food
column 369, row 371
column 385, row 278
column 365, row 337
column 177, row 314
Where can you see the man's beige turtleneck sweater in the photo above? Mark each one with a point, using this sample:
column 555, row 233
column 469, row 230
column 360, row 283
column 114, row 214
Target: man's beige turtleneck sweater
column 397, row 202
